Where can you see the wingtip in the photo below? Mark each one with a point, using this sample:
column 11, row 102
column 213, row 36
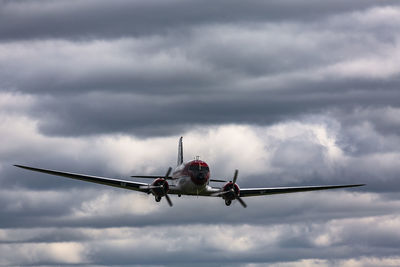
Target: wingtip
column 23, row 167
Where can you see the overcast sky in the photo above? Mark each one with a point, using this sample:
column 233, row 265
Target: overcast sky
column 290, row 92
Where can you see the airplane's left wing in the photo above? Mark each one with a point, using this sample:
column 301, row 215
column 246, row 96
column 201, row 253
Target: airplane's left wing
column 249, row 192
column 94, row 179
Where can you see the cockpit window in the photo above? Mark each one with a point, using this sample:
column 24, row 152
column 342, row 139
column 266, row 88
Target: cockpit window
column 198, row 167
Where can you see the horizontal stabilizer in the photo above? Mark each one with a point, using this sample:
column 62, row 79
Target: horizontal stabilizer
column 219, row 181
column 171, row 178
column 153, row 177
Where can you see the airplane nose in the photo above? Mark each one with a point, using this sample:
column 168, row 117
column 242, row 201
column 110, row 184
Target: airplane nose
column 200, row 176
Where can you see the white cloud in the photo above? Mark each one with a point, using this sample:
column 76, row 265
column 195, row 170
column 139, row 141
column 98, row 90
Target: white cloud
column 116, row 204
column 235, row 241
column 37, row 253
column 386, row 15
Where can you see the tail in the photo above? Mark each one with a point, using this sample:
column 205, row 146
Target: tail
column 180, row 152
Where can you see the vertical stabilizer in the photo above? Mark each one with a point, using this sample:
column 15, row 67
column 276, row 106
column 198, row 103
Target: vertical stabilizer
column 180, row 152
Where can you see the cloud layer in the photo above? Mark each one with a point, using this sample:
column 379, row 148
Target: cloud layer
column 288, row 92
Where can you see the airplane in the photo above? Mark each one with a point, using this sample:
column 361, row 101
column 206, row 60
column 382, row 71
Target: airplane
column 188, row 178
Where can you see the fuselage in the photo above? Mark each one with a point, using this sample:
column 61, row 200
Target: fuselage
column 191, row 177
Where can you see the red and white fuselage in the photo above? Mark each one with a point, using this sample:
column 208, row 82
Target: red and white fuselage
column 191, row 177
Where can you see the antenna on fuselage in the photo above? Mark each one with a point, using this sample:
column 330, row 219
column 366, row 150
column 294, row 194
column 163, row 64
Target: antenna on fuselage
column 180, row 152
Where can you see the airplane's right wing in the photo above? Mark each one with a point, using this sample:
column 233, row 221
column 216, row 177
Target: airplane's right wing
column 249, row 192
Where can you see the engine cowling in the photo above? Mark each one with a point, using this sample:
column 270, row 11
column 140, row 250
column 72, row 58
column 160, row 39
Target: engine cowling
column 231, row 194
column 159, row 187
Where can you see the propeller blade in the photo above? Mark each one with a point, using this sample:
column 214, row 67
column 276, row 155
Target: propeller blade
column 235, row 176
column 163, row 188
column 169, row 200
column 168, row 172
column 241, row 202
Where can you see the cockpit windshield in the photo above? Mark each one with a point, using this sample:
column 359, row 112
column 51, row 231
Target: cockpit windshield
column 198, row 167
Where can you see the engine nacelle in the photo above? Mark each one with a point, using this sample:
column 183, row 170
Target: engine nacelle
column 159, row 187
column 229, row 195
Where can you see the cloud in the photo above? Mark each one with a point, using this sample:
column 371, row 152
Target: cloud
column 288, row 92
column 262, row 244
column 157, row 84
column 102, row 19
column 52, row 253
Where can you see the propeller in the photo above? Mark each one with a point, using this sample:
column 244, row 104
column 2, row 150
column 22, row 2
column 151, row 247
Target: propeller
column 165, row 193
column 168, row 173
column 241, row 201
column 161, row 186
column 232, row 190
column 235, row 176
column 168, row 200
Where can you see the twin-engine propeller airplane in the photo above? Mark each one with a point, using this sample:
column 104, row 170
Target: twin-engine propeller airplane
column 190, row 178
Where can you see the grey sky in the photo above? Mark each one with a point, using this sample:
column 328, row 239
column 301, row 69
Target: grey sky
column 289, row 92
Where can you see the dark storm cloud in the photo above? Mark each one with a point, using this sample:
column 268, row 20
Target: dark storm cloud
column 165, row 115
column 104, row 19
column 212, row 74
column 208, row 59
